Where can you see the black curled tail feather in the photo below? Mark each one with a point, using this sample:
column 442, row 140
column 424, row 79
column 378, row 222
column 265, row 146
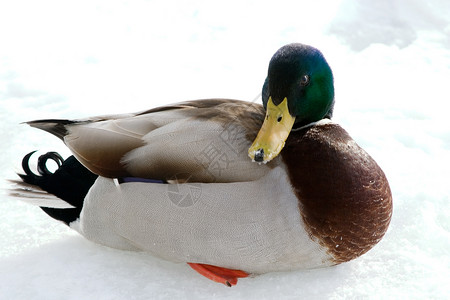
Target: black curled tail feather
column 70, row 182
column 32, row 178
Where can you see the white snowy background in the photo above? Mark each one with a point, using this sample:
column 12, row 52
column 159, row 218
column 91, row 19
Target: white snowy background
column 73, row 59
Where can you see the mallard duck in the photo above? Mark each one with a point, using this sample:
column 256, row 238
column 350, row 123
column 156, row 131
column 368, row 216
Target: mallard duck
column 230, row 187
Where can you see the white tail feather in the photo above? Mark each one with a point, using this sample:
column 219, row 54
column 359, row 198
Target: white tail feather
column 36, row 196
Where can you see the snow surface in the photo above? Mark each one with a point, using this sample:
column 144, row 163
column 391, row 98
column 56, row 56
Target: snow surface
column 72, row 59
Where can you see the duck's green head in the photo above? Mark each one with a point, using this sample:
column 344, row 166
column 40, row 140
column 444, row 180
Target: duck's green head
column 298, row 90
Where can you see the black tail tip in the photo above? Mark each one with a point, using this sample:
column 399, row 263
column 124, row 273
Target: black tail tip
column 70, row 182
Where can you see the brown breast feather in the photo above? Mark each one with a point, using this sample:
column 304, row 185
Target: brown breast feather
column 344, row 196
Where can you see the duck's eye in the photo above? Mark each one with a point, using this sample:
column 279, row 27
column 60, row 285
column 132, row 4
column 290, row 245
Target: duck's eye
column 279, row 119
column 304, row 80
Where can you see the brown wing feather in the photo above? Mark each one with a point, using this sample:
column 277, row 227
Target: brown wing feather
column 102, row 143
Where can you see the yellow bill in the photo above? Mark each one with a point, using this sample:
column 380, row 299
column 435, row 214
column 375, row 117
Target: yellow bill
column 273, row 133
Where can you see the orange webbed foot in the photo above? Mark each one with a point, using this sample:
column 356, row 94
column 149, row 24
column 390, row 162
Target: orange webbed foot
column 229, row 277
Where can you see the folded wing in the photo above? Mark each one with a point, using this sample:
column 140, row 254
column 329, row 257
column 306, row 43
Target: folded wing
column 197, row 141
